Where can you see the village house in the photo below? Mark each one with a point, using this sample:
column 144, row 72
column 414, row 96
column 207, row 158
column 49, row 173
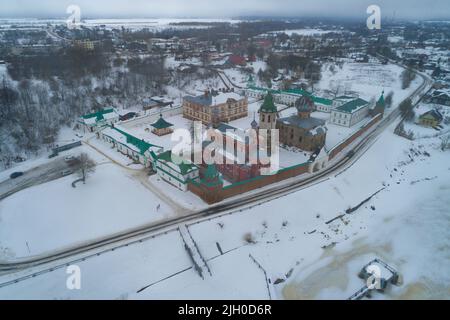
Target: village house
column 215, row 107
column 93, row 121
column 161, row 127
column 431, row 118
column 350, row 112
column 302, row 130
column 236, row 60
column 139, row 150
column 440, row 97
column 175, row 171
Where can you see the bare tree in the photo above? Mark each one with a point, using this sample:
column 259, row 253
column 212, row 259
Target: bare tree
column 86, row 166
column 388, row 99
column 407, row 76
column 445, row 142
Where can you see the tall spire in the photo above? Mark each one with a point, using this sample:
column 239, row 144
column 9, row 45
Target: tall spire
column 254, row 124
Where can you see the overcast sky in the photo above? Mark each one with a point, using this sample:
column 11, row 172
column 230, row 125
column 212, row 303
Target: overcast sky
column 408, row 9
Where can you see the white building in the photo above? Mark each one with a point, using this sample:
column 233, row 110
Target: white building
column 93, row 121
column 288, row 97
column 137, row 149
column 350, row 112
column 176, row 174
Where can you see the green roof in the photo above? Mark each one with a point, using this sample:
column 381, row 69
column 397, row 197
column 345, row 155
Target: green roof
column 324, row 101
column 98, row 115
column 161, row 123
column 381, row 101
column 298, row 91
column 211, row 176
column 142, row 145
column 351, row 106
column 268, row 105
column 184, row 167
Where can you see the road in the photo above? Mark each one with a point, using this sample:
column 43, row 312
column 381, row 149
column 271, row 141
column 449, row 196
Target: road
column 246, row 201
column 44, row 173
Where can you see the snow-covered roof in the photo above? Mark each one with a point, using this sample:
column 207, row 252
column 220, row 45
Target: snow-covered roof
column 214, row 99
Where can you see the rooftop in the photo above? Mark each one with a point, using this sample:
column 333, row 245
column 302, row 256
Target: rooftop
column 161, row 123
column 352, row 106
column 183, row 167
column 212, row 100
column 100, row 115
column 307, row 124
column 139, row 145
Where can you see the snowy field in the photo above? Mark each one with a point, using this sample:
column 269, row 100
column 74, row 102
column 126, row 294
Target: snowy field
column 154, row 25
column 305, row 32
column 405, row 224
column 54, row 215
column 113, row 275
column 368, row 80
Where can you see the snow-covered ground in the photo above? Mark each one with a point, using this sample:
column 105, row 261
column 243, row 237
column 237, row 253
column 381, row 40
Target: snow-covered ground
column 368, row 80
column 406, row 224
column 54, row 215
column 305, row 32
column 155, row 24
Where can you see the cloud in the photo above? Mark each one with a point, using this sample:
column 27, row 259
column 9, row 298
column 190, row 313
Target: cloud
column 408, row 9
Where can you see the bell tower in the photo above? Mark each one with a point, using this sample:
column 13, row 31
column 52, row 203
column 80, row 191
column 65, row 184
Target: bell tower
column 268, row 115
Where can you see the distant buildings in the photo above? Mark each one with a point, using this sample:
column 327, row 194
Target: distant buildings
column 350, row 112
column 237, row 60
column 302, row 130
column 288, row 97
column 86, row 45
column 215, row 107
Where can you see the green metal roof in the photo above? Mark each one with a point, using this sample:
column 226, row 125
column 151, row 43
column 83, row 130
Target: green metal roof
column 183, row 166
column 98, row 115
column 323, row 101
column 142, row 145
column 298, row 91
column 350, row 106
column 268, row 105
column 161, row 123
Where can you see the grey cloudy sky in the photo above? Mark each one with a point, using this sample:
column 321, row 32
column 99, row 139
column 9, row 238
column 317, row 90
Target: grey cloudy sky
column 408, row 9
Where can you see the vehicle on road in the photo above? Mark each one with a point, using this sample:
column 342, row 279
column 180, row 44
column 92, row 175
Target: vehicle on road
column 69, row 158
column 15, row 175
column 66, row 172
